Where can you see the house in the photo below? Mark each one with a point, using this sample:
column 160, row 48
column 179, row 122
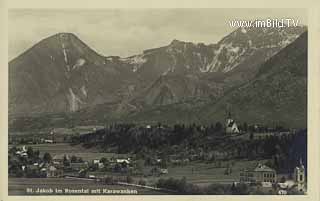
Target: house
column 164, row 171
column 91, row 176
column 231, row 125
column 127, row 161
column 53, row 171
column 24, row 154
column 100, row 165
column 48, row 141
column 159, row 171
column 258, row 174
column 96, row 163
column 288, row 184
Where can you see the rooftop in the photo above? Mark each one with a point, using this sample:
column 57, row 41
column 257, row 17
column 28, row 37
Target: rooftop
column 259, row 168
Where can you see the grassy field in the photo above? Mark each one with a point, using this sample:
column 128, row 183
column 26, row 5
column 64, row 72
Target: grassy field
column 18, row 186
column 60, row 149
column 204, row 174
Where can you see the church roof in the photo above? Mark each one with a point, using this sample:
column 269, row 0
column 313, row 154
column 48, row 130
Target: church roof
column 231, row 123
column 263, row 168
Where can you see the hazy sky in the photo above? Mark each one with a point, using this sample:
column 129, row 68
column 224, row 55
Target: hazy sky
column 126, row 32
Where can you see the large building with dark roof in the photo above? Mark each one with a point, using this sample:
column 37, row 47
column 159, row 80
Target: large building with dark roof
column 257, row 174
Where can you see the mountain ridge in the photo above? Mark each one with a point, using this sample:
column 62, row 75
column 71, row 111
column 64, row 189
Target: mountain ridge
column 66, row 75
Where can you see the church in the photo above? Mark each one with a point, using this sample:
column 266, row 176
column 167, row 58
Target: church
column 231, row 125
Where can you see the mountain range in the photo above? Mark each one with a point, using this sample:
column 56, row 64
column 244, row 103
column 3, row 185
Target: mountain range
column 260, row 74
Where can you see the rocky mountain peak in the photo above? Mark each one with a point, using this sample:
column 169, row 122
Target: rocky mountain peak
column 62, row 68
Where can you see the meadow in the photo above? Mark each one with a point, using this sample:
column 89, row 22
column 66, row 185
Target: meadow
column 58, row 150
column 202, row 173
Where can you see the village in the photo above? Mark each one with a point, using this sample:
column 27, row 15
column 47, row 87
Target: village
column 250, row 169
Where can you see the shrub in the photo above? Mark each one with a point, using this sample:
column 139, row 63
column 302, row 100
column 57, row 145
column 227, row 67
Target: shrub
column 129, row 179
column 142, row 182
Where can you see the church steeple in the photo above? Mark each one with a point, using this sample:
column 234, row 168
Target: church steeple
column 229, row 115
column 231, row 126
column 299, row 175
column 301, row 163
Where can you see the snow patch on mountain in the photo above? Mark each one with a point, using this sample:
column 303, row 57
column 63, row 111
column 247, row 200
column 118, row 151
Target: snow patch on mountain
column 64, row 52
column 80, row 62
column 235, row 49
column 166, row 72
column 74, row 101
column 289, row 40
column 136, row 61
column 84, row 91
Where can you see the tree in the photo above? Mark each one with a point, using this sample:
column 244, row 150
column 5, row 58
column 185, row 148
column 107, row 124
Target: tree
column 129, row 179
column 240, row 189
column 74, row 159
column 36, row 153
column 108, row 180
column 216, row 189
column 30, row 152
column 142, row 182
column 226, row 171
column 104, row 160
column 47, row 157
column 218, row 127
column 66, row 161
column 19, row 172
column 83, row 173
column 139, row 166
column 245, row 127
column 13, row 150
column 251, row 136
column 80, row 160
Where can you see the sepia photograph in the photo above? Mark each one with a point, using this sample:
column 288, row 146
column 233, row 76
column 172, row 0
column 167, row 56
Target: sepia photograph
column 170, row 101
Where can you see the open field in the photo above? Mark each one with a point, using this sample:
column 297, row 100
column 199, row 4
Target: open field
column 204, row 173
column 58, row 150
column 18, row 186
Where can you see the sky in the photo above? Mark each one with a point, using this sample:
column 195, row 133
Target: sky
column 126, row 32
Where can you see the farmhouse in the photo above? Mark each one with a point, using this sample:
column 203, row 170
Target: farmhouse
column 158, row 171
column 52, row 171
column 96, row 163
column 164, row 171
column 48, row 141
column 127, row 161
column 260, row 173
